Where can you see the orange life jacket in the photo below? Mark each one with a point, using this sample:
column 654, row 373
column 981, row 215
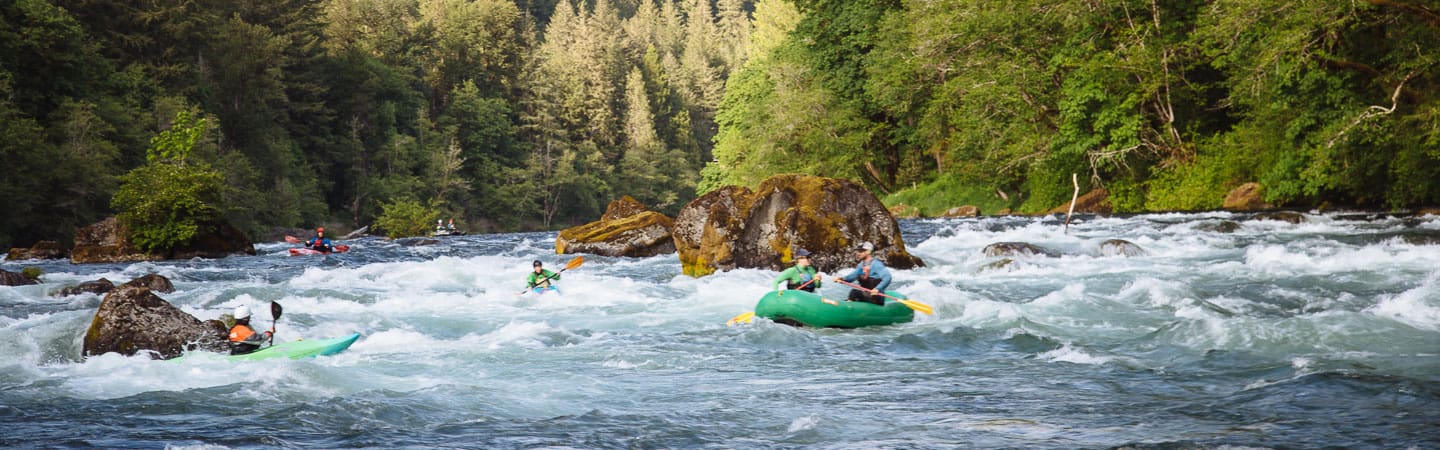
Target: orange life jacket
column 239, row 333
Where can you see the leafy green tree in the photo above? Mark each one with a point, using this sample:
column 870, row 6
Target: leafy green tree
column 407, row 217
column 166, row 202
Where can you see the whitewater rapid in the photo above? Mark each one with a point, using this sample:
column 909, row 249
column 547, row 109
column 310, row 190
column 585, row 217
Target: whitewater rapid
column 1276, row 335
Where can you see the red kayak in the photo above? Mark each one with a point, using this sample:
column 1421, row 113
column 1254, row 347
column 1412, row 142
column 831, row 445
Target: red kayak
column 305, row 251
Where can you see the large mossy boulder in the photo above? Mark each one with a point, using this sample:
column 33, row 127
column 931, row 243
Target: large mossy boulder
column 133, row 319
column 627, row 228
column 108, row 241
column 41, row 250
column 735, row 227
column 1093, row 202
column 154, row 282
column 1246, row 197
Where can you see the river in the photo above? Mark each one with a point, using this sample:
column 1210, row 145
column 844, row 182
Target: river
column 1325, row 333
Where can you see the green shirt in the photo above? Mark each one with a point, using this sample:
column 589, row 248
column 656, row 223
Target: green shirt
column 798, row 275
column 535, row 278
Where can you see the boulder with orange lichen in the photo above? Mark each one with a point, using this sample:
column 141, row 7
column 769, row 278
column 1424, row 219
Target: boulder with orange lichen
column 627, row 228
column 735, row 227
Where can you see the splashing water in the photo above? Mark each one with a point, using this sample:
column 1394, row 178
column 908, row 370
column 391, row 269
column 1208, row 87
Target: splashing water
column 1325, row 333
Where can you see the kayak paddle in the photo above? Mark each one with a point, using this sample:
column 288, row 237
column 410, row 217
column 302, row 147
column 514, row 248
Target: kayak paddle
column 570, row 265
column 292, row 239
column 745, row 317
column 275, row 311
column 924, row 308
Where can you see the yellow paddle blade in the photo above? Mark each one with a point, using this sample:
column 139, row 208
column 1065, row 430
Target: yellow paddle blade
column 745, row 317
column 575, row 262
column 924, row 308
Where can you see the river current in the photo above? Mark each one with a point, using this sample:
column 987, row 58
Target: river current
column 1275, row 335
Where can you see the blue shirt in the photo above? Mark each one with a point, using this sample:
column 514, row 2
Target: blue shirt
column 877, row 270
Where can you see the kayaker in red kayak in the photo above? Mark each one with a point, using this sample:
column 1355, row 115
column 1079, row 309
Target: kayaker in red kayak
column 244, row 339
column 320, row 243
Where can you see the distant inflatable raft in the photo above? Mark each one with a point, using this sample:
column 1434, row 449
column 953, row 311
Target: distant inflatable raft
column 800, row 308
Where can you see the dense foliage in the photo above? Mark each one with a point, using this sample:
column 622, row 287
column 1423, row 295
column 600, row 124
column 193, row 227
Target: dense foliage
column 406, row 218
column 523, row 114
column 504, row 114
column 1167, row 105
column 167, row 201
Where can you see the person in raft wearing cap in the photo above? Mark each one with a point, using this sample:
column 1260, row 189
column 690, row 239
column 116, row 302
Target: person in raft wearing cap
column 243, row 338
column 869, row 273
column 802, row 275
column 320, row 243
column 539, row 279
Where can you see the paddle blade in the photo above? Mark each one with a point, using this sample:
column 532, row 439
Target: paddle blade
column 921, row 307
column 342, row 248
column 745, row 317
column 275, row 310
column 292, row 239
column 574, row 263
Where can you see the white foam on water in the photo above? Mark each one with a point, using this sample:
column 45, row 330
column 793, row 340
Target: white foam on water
column 805, row 423
column 1070, row 354
column 1418, row 307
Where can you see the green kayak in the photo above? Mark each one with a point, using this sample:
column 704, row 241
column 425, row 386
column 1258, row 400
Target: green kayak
column 303, row 348
column 800, row 308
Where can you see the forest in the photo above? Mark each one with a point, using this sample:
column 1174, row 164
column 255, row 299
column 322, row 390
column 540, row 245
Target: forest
column 533, row 114
column 1165, row 105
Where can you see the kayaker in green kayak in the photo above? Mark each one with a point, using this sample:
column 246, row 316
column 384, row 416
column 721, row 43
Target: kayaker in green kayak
column 869, row 273
column 801, row 276
column 243, row 338
column 539, row 279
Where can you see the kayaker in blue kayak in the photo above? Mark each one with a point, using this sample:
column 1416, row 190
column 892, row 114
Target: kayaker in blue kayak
column 320, row 243
column 801, row 276
column 870, row 273
column 244, row 339
column 539, row 279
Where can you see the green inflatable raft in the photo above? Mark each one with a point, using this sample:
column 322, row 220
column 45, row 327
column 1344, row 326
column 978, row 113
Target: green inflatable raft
column 303, row 348
column 800, row 308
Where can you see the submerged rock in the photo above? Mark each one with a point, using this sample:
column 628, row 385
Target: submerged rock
column 627, row 228
column 8, row 278
column 1224, row 226
column 1283, row 216
column 1120, row 247
column 100, row 286
column 1018, row 249
column 133, row 319
column 734, row 227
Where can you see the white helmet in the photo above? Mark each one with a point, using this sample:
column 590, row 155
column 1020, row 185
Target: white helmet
column 242, row 312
